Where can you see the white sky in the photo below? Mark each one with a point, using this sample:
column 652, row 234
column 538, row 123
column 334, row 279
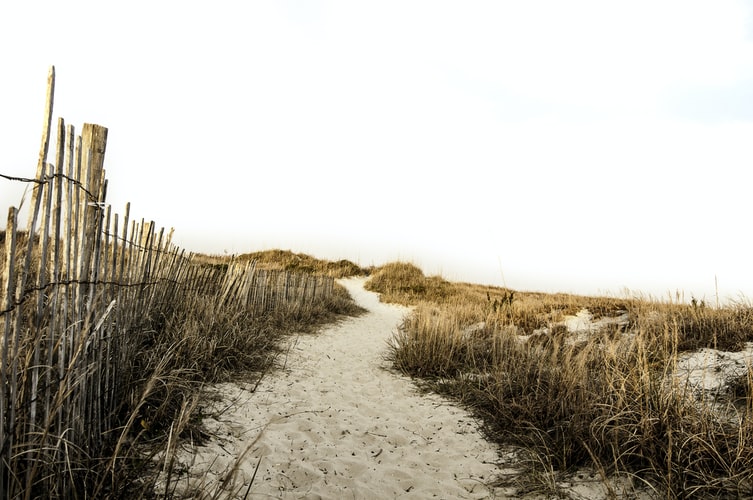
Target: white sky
column 581, row 146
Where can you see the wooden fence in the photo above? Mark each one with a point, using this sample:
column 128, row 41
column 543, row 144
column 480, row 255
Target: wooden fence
column 74, row 285
column 264, row 290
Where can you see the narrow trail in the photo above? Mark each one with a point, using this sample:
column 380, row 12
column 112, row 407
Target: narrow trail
column 335, row 423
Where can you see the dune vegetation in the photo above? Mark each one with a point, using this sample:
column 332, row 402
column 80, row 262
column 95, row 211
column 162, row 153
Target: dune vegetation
column 605, row 394
column 287, row 260
column 194, row 337
column 610, row 398
column 109, row 331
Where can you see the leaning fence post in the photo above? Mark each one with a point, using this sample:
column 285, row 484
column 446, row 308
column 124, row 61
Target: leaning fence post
column 41, row 163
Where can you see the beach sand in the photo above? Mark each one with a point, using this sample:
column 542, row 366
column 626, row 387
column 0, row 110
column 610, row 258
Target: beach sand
column 336, row 422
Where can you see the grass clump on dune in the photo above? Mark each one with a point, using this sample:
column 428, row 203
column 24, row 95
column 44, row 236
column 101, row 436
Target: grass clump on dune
column 300, row 262
column 405, row 283
column 286, row 260
column 606, row 398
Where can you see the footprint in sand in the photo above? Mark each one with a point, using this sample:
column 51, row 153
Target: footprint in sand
column 336, row 424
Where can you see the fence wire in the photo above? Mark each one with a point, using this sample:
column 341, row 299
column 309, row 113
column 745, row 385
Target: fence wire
column 74, row 286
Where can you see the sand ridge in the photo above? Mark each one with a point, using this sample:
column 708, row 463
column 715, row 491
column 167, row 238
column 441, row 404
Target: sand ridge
column 335, row 422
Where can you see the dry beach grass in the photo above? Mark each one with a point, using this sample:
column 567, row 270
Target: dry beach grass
column 622, row 392
column 573, row 395
column 192, row 338
column 111, row 344
column 336, row 422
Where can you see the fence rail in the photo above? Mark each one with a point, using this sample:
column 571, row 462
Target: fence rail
column 75, row 284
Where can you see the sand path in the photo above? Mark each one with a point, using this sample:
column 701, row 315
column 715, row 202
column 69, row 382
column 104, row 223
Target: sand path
column 336, row 423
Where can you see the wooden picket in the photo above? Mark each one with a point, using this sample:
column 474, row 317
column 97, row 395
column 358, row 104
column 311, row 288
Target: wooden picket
column 73, row 285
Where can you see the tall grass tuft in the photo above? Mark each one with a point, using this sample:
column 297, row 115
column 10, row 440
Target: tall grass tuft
column 197, row 341
column 607, row 398
column 107, row 331
column 135, row 373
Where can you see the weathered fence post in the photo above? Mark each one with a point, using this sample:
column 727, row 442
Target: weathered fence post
column 44, row 148
column 7, row 300
column 94, row 143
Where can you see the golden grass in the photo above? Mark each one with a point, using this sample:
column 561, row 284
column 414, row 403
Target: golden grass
column 201, row 341
column 286, row 260
column 189, row 339
column 604, row 400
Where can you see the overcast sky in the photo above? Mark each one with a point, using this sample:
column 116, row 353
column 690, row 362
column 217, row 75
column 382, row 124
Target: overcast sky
column 579, row 146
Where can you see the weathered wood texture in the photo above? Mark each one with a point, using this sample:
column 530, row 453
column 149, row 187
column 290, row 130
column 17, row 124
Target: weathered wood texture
column 74, row 285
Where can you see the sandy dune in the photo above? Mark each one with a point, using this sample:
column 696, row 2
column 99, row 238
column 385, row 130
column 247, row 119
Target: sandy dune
column 334, row 423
